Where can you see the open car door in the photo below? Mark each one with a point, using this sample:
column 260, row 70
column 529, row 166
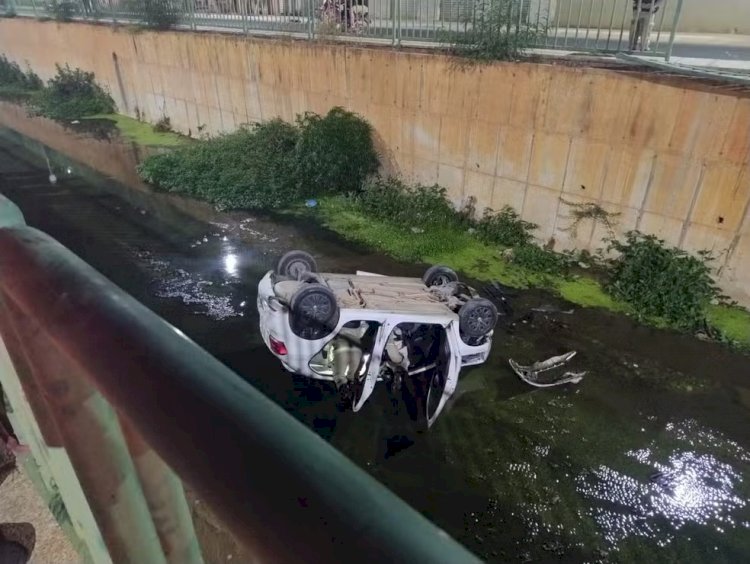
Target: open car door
column 443, row 378
column 365, row 384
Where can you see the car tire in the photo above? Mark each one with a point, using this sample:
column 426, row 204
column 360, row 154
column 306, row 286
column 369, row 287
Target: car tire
column 439, row 275
column 314, row 312
column 476, row 318
column 13, row 553
column 296, row 263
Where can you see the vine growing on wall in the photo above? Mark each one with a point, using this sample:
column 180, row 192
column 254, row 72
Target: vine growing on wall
column 590, row 211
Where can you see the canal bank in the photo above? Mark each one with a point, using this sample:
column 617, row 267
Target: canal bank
column 646, row 458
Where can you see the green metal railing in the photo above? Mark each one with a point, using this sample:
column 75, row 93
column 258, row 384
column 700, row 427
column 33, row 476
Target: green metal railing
column 128, row 396
column 578, row 25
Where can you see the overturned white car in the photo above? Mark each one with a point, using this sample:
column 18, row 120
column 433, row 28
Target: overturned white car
column 358, row 329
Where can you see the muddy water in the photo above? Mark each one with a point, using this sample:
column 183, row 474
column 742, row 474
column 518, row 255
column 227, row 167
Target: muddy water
column 647, row 458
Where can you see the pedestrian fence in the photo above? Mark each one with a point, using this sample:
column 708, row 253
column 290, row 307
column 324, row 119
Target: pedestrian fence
column 576, row 25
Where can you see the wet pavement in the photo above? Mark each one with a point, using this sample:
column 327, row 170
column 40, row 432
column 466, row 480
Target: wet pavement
column 647, row 458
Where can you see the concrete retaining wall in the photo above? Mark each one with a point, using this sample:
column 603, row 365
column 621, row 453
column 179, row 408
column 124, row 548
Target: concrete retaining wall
column 670, row 158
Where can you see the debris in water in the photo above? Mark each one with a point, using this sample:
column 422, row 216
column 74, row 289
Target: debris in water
column 52, row 179
column 417, row 230
column 205, row 239
column 311, row 203
column 75, row 122
column 548, row 308
column 529, row 374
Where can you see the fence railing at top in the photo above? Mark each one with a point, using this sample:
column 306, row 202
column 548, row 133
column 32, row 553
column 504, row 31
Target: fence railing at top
column 576, row 25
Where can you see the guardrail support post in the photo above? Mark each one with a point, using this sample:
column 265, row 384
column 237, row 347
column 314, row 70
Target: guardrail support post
column 675, row 22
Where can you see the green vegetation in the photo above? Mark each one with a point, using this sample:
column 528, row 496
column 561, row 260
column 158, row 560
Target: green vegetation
column 248, row 169
column 270, row 165
column 164, row 125
column 496, row 31
column 334, row 153
column 157, row 14
column 733, row 322
column 141, row 132
column 662, row 281
column 62, row 11
column 72, row 94
column 15, row 83
column 275, row 165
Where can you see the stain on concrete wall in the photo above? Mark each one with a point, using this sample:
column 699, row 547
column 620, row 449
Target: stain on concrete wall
column 670, row 158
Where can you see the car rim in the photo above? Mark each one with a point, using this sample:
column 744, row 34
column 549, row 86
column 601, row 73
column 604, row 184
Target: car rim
column 441, row 280
column 316, row 307
column 479, row 320
column 298, row 267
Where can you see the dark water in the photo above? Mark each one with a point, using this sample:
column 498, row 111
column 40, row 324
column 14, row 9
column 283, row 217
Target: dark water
column 647, row 459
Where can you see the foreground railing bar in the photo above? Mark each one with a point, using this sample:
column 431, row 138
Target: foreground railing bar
column 282, row 490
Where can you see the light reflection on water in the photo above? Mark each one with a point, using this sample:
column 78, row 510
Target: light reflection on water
column 208, row 297
column 687, row 488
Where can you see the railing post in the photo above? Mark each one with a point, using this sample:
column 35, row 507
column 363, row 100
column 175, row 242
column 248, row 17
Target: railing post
column 112, row 10
column 393, row 21
column 243, row 11
column 675, row 22
column 192, row 14
column 33, row 7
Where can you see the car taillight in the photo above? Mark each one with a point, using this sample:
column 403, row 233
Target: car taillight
column 278, row 347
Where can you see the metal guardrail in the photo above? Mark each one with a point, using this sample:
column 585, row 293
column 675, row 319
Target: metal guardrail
column 578, row 25
column 285, row 493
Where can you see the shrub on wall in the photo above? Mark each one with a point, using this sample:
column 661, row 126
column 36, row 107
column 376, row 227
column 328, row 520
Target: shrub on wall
column 62, row 11
column 251, row 168
column 269, row 165
column 335, row 153
column 662, row 281
column 15, row 83
column 72, row 93
column 157, row 14
column 497, row 30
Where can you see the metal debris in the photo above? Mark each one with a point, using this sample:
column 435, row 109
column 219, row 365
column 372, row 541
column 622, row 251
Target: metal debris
column 530, row 374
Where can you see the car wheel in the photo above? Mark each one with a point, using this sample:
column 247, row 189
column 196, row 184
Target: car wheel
column 13, row 553
column 314, row 312
column 476, row 318
column 439, row 276
column 296, row 263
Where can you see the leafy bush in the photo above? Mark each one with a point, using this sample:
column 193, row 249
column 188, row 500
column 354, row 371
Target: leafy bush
column 62, row 11
column 411, row 206
column 157, row 14
column 497, row 30
column 271, row 164
column 537, row 259
column 662, row 281
column 505, row 228
column 335, row 153
column 16, row 83
column 72, row 93
column 252, row 168
column 164, row 125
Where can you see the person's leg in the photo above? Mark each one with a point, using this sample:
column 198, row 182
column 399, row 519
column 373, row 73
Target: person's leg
column 633, row 30
column 646, row 40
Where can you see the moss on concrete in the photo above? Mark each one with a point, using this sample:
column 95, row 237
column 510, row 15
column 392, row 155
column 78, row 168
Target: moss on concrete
column 733, row 322
column 141, row 132
column 484, row 262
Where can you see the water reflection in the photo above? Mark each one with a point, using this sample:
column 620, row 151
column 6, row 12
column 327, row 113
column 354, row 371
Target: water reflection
column 206, row 297
column 687, row 488
column 230, row 264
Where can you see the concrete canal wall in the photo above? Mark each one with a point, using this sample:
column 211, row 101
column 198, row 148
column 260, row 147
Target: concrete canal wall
column 670, row 158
